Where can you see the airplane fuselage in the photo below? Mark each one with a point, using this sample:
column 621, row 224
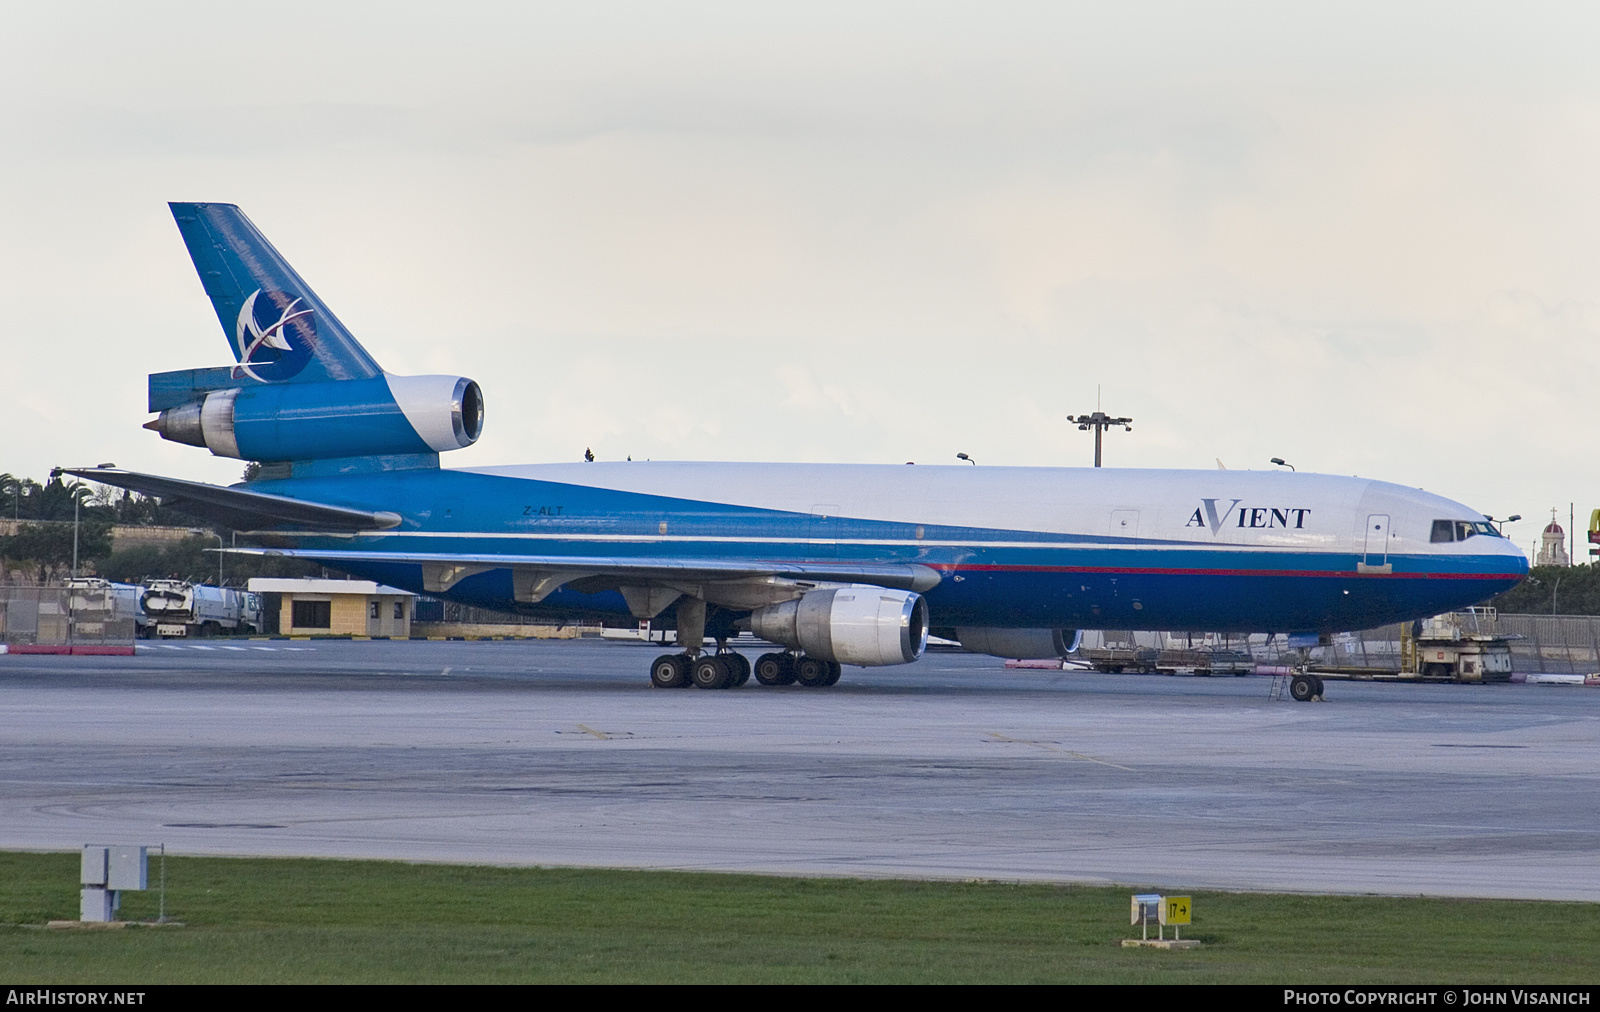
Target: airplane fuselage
column 1014, row 547
column 836, row 564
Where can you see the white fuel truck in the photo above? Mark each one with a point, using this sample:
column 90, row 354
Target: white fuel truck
column 178, row 608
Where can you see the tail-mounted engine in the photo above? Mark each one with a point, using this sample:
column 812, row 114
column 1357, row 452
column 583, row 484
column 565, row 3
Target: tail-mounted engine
column 342, row 418
column 863, row 625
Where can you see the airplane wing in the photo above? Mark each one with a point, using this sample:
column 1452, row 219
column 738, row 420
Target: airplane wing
column 644, row 581
column 239, row 508
column 537, row 576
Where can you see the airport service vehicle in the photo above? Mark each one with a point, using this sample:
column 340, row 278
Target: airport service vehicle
column 838, row 564
column 1449, row 648
column 116, row 601
column 1443, row 648
column 179, row 608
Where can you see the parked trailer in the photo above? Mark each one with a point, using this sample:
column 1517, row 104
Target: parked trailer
column 1119, row 658
column 178, row 608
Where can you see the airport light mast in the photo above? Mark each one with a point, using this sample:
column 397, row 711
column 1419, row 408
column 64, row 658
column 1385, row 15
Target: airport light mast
column 1100, row 422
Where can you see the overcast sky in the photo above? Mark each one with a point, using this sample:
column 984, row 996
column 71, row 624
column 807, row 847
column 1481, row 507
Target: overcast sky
column 1362, row 237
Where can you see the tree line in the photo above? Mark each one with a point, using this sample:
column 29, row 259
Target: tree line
column 40, row 548
column 1554, row 590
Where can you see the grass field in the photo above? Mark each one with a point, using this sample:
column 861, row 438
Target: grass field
column 268, row 920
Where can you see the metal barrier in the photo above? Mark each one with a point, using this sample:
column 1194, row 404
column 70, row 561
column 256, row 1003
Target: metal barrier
column 59, row 620
column 1540, row 644
column 1554, row 644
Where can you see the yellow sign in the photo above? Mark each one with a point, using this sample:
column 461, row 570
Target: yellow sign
column 1175, row 910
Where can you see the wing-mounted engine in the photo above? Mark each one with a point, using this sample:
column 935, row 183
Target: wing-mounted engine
column 869, row 626
column 316, row 421
column 1019, row 644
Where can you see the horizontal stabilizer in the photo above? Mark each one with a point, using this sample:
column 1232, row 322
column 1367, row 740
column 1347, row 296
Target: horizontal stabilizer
column 184, row 386
column 241, row 509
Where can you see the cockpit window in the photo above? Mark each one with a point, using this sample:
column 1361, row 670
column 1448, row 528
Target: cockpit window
column 1445, row 531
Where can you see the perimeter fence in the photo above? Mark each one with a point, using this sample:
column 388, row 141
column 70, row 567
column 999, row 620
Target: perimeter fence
column 1544, row 644
column 62, row 620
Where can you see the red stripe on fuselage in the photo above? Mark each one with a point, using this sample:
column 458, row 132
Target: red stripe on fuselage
column 1126, row 571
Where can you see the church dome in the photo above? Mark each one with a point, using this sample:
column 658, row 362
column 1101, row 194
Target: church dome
column 1554, row 528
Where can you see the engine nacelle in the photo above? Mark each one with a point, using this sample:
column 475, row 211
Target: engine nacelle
column 863, row 625
column 344, row 418
column 1021, row 644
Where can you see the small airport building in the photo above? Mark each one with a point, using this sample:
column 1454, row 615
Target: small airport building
column 334, row 608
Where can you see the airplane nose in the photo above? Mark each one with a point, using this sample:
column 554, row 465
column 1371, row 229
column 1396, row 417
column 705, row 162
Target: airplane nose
column 1508, row 562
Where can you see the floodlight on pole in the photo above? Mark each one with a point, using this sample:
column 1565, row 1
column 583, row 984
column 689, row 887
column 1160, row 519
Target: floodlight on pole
column 1283, row 463
column 76, row 492
column 1099, row 422
column 1500, row 524
column 221, row 547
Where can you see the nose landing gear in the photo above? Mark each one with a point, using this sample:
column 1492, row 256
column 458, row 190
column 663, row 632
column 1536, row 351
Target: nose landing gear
column 1305, row 687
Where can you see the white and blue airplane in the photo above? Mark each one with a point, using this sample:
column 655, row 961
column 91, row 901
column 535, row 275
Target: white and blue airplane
column 840, row 564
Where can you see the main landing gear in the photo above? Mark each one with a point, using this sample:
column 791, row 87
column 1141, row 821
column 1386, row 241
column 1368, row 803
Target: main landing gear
column 791, row 669
column 731, row 669
column 727, row 669
column 707, row 671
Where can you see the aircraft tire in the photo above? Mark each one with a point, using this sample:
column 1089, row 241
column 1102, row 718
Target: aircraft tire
column 812, row 672
column 711, row 672
column 1303, row 688
column 835, row 669
column 775, row 669
column 740, row 665
column 670, row 671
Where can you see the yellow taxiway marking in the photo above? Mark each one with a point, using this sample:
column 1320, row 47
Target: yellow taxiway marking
column 586, row 729
column 1052, row 747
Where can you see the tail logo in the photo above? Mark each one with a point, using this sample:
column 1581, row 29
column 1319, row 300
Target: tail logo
column 274, row 337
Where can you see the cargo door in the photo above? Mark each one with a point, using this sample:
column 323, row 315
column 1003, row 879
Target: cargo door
column 1375, row 556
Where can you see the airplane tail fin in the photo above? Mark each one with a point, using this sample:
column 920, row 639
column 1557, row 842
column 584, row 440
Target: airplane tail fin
column 277, row 327
column 304, row 393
